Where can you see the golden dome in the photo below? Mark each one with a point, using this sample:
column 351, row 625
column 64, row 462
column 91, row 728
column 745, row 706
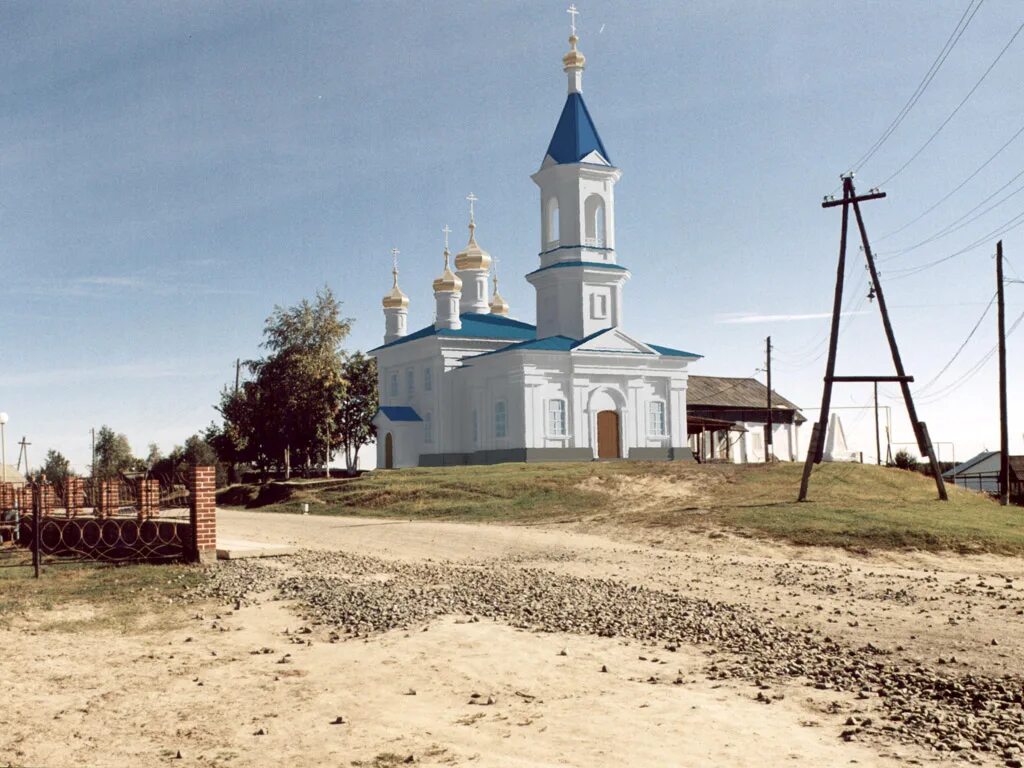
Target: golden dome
column 498, row 304
column 395, row 299
column 573, row 59
column 448, row 281
column 472, row 256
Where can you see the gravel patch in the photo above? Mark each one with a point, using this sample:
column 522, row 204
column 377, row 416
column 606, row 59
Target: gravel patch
column 949, row 710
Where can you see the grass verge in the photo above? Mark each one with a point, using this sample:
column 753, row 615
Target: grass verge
column 74, row 597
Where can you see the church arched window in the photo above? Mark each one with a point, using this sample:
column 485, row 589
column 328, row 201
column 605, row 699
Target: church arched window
column 593, row 210
column 551, row 222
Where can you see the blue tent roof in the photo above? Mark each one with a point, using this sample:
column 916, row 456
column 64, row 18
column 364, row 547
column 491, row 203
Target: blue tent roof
column 575, row 135
column 400, row 413
column 475, row 326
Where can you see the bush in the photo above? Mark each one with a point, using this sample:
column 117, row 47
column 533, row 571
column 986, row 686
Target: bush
column 904, row 460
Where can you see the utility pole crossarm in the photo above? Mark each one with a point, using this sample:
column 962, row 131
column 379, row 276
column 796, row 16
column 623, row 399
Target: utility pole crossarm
column 858, row 199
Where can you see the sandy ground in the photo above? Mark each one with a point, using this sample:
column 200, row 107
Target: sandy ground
column 251, row 687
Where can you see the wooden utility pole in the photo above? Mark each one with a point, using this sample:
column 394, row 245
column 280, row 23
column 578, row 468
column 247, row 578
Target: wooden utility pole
column 878, row 433
column 1004, row 428
column 238, row 373
column 768, row 427
column 817, row 445
column 92, row 467
column 23, row 453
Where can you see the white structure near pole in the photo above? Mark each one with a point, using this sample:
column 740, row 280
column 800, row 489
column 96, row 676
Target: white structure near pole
column 478, row 386
column 3, row 448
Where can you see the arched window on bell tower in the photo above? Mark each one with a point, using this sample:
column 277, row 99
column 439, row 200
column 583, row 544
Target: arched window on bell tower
column 551, row 235
column 593, row 210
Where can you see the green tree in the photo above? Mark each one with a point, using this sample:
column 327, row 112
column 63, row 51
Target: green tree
column 293, row 393
column 113, row 454
column 300, row 384
column 56, row 468
column 353, row 423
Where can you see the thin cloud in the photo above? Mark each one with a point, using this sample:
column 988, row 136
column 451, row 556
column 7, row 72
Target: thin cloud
column 742, row 318
column 112, row 281
column 117, row 372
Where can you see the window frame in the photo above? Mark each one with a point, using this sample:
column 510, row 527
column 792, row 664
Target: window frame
column 393, row 384
column 501, row 433
column 662, row 414
column 563, row 413
column 428, row 427
column 428, row 379
column 410, row 381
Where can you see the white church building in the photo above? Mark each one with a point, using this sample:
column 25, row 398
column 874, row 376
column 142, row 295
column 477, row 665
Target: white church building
column 478, row 387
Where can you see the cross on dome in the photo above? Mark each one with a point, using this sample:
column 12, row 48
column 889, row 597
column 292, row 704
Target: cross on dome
column 573, row 13
column 394, row 259
column 472, row 199
column 447, row 231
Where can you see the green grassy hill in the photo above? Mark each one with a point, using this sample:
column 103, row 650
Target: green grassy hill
column 850, row 505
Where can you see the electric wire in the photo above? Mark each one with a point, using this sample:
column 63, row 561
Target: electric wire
column 960, row 349
column 973, row 370
column 957, row 188
column 952, row 114
column 960, row 223
column 1002, row 229
column 940, row 59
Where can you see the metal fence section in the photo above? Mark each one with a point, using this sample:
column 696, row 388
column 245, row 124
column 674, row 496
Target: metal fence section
column 127, row 519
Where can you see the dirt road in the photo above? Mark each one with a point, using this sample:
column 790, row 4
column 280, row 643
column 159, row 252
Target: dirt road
column 262, row 681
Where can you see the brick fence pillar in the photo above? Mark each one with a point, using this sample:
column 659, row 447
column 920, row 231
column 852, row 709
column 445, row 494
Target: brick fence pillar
column 47, row 498
column 149, row 499
column 109, row 498
column 74, row 495
column 24, row 496
column 7, row 496
column 203, row 513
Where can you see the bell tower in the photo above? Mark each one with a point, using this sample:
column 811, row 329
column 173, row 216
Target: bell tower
column 579, row 282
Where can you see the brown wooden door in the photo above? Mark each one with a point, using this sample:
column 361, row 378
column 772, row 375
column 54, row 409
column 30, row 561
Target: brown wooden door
column 389, row 452
column 608, row 435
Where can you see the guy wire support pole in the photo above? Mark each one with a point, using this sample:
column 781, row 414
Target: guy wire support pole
column 1004, row 429
column 816, row 449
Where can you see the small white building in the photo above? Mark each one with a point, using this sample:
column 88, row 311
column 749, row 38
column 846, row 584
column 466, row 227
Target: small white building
column 478, row 387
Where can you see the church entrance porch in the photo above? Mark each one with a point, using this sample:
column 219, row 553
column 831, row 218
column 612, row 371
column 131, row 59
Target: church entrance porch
column 608, row 440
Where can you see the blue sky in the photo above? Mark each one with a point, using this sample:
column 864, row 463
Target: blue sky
column 170, row 172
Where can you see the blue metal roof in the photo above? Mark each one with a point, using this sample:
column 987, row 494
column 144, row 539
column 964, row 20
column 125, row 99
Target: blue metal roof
column 591, row 264
column 669, row 352
column 566, row 344
column 400, row 413
column 575, row 135
column 475, row 326
column 549, row 344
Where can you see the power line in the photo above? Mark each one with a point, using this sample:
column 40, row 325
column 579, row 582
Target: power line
column 1002, row 229
column 952, row 114
column 957, row 188
column 956, row 354
column 960, row 223
column 973, row 370
column 954, row 38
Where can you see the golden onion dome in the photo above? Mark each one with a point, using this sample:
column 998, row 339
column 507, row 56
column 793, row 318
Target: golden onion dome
column 472, row 256
column 448, row 281
column 395, row 299
column 498, row 304
column 573, row 59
